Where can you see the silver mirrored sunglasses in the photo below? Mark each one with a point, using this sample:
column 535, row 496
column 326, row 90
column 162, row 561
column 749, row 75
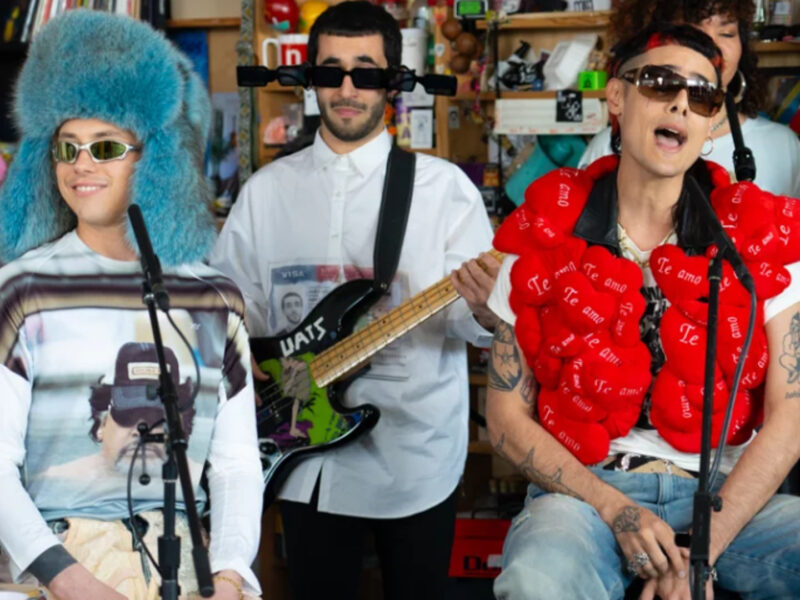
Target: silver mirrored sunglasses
column 100, row 151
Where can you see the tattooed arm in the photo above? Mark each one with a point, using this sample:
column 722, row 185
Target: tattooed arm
column 768, row 459
column 544, row 461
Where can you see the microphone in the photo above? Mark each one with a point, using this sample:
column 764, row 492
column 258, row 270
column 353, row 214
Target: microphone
column 725, row 247
column 150, row 264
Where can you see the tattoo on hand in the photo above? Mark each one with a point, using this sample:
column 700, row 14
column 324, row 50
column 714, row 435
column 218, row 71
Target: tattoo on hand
column 790, row 356
column 498, row 447
column 505, row 370
column 628, row 520
column 551, row 483
column 527, row 389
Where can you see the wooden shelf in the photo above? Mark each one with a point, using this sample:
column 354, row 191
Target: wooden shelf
column 482, row 96
column 554, row 20
column 227, row 22
column 488, row 96
column 274, row 86
column 480, row 447
column 479, row 379
column 777, row 46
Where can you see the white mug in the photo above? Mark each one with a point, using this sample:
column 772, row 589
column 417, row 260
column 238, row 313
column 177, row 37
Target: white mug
column 290, row 49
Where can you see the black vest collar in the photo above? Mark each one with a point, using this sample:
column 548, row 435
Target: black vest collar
column 597, row 223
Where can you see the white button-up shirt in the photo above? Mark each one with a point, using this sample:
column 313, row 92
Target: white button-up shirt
column 306, row 223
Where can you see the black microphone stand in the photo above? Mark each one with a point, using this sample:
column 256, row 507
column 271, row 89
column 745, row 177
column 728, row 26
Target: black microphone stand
column 743, row 162
column 176, row 466
column 704, row 498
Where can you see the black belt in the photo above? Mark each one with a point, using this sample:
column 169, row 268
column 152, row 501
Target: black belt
column 636, row 463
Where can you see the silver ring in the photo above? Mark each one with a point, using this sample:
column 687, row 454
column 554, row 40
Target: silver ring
column 638, row 560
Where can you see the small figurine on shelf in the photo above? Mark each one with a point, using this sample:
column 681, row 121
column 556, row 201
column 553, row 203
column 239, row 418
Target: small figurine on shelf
column 282, row 15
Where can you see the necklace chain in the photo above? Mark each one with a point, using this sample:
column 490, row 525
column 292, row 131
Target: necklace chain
column 631, row 252
column 720, row 123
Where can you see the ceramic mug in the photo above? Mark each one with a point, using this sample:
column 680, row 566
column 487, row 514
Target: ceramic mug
column 290, row 49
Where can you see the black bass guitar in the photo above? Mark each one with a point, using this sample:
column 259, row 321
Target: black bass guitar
column 310, row 368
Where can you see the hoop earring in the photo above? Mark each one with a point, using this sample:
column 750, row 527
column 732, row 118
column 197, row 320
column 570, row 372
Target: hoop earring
column 742, row 87
column 710, row 150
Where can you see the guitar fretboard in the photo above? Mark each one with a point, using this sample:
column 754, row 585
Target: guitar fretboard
column 354, row 351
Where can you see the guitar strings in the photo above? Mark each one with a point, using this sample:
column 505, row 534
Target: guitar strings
column 392, row 317
column 276, row 398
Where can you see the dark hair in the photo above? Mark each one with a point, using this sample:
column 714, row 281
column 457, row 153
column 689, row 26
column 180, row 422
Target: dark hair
column 656, row 34
column 659, row 33
column 633, row 15
column 357, row 18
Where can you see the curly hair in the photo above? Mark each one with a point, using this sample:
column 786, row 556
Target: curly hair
column 632, row 16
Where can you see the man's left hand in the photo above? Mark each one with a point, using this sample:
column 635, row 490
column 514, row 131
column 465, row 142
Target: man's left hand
column 474, row 282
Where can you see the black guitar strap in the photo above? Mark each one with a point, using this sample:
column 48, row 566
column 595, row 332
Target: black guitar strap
column 398, row 187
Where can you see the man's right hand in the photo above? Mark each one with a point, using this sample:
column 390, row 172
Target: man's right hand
column 640, row 532
column 669, row 587
column 77, row 583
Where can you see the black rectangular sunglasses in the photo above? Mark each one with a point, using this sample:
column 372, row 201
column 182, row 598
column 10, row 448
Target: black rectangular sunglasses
column 362, row 78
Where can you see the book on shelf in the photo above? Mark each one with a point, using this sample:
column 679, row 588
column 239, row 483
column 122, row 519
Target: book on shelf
column 13, row 16
column 20, row 20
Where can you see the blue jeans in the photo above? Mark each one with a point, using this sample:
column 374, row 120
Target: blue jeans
column 559, row 547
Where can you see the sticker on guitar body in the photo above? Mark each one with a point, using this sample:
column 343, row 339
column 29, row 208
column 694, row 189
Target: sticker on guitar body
column 303, row 413
column 302, row 338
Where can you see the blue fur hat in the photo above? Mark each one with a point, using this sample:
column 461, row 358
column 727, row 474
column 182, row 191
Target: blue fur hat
column 91, row 64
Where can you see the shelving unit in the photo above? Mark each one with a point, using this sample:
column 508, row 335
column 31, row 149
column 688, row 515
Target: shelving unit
column 559, row 20
column 769, row 47
column 480, row 447
column 221, row 23
column 479, row 379
column 532, row 95
column 542, row 31
column 778, row 55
